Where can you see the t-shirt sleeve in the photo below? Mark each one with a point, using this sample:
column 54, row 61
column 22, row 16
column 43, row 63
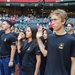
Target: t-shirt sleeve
column 13, row 40
column 73, row 48
column 37, row 50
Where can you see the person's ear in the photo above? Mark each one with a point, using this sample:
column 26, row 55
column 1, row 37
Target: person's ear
column 63, row 21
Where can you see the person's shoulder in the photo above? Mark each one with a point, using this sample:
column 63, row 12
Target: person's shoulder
column 70, row 37
column 11, row 35
column 1, row 31
column 51, row 36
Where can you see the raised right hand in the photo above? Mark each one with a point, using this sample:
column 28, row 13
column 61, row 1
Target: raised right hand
column 39, row 33
column 20, row 36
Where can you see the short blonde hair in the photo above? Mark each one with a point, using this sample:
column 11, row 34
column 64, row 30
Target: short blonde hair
column 61, row 13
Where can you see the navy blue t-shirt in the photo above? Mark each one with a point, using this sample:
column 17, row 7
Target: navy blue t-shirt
column 60, row 50
column 6, row 41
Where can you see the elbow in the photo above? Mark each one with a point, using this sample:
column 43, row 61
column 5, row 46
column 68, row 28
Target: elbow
column 44, row 55
column 73, row 60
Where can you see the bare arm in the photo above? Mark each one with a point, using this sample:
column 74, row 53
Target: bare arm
column 42, row 47
column 18, row 46
column 38, row 62
column 72, row 65
column 13, row 49
column 19, row 43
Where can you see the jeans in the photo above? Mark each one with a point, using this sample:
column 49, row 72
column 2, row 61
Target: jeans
column 4, row 68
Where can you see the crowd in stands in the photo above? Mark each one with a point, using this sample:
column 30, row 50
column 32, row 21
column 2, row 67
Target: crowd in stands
column 23, row 21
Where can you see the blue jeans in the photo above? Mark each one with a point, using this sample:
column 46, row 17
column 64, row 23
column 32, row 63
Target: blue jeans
column 4, row 68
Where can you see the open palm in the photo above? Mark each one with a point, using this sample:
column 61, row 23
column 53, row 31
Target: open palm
column 39, row 33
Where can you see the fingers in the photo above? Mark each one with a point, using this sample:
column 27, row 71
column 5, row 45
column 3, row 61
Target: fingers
column 40, row 29
column 20, row 36
column 10, row 64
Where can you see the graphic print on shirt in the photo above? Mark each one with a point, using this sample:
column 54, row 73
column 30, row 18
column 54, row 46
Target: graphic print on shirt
column 61, row 46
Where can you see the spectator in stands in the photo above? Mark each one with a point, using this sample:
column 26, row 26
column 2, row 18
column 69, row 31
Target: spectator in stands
column 70, row 29
column 16, row 30
column 12, row 19
column 12, row 29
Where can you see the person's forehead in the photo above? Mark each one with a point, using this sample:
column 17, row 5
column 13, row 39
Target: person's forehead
column 44, row 31
column 28, row 28
column 69, row 25
column 5, row 22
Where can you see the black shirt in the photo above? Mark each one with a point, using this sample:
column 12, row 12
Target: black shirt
column 6, row 41
column 29, row 59
column 15, row 34
column 1, row 32
column 60, row 50
column 23, row 46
